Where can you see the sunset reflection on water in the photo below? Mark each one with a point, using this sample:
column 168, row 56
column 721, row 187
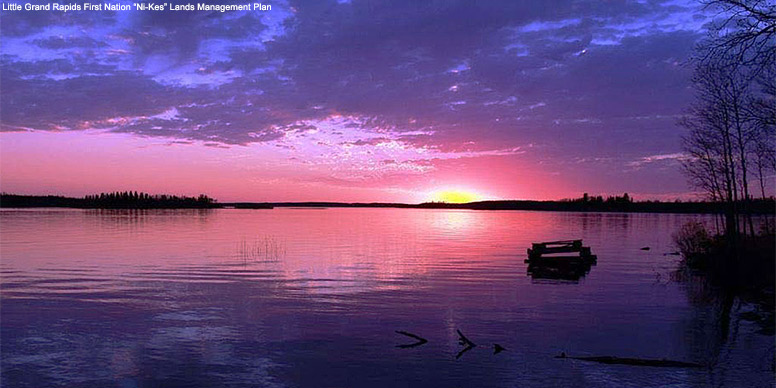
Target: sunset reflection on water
column 194, row 298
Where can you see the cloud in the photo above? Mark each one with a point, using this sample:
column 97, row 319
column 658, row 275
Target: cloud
column 455, row 78
column 674, row 157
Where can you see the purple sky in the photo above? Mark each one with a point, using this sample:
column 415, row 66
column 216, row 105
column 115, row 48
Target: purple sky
column 350, row 100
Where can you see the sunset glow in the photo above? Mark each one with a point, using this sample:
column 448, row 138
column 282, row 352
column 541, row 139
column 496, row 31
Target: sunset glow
column 255, row 106
column 454, row 196
column 308, row 193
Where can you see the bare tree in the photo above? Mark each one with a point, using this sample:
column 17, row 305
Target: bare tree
column 761, row 110
column 732, row 124
column 744, row 34
column 710, row 142
column 705, row 161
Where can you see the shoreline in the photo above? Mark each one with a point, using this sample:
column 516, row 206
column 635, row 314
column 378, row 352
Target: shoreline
column 288, row 205
column 757, row 207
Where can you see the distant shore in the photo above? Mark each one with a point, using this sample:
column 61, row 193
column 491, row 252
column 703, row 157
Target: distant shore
column 759, row 206
column 612, row 204
column 114, row 200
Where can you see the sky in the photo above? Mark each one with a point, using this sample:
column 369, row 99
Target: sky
column 386, row 101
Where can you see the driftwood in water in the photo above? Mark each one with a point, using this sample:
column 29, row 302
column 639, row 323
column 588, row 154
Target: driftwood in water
column 635, row 361
column 463, row 340
column 420, row 339
column 469, row 345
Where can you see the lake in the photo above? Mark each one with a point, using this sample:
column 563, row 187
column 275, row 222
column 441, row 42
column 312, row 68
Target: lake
column 314, row 297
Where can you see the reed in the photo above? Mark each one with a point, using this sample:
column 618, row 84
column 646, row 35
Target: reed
column 267, row 248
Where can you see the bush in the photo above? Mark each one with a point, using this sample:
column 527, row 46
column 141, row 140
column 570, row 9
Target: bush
column 694, row 243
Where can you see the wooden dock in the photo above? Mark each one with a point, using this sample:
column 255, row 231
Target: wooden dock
column 559, row 260
column 567, row 252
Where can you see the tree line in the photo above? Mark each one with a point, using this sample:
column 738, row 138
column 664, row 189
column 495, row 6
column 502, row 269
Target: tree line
column 111, row 200
column 140, row 200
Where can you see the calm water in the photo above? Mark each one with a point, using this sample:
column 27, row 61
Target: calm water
column 313, row 297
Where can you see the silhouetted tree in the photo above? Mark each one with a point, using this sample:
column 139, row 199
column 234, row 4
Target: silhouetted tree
column 139, row 200
column 743, row 36
column 731, row 125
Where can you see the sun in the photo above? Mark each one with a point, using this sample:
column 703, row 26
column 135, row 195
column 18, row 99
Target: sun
column 454, row 196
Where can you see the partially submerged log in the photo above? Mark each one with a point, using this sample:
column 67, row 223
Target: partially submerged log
column 462, row 340
column 420, row 340
column 635, row 361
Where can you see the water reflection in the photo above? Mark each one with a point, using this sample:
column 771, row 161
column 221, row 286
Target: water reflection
column 722, row 320
column 558, row 272
column 168, row 298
